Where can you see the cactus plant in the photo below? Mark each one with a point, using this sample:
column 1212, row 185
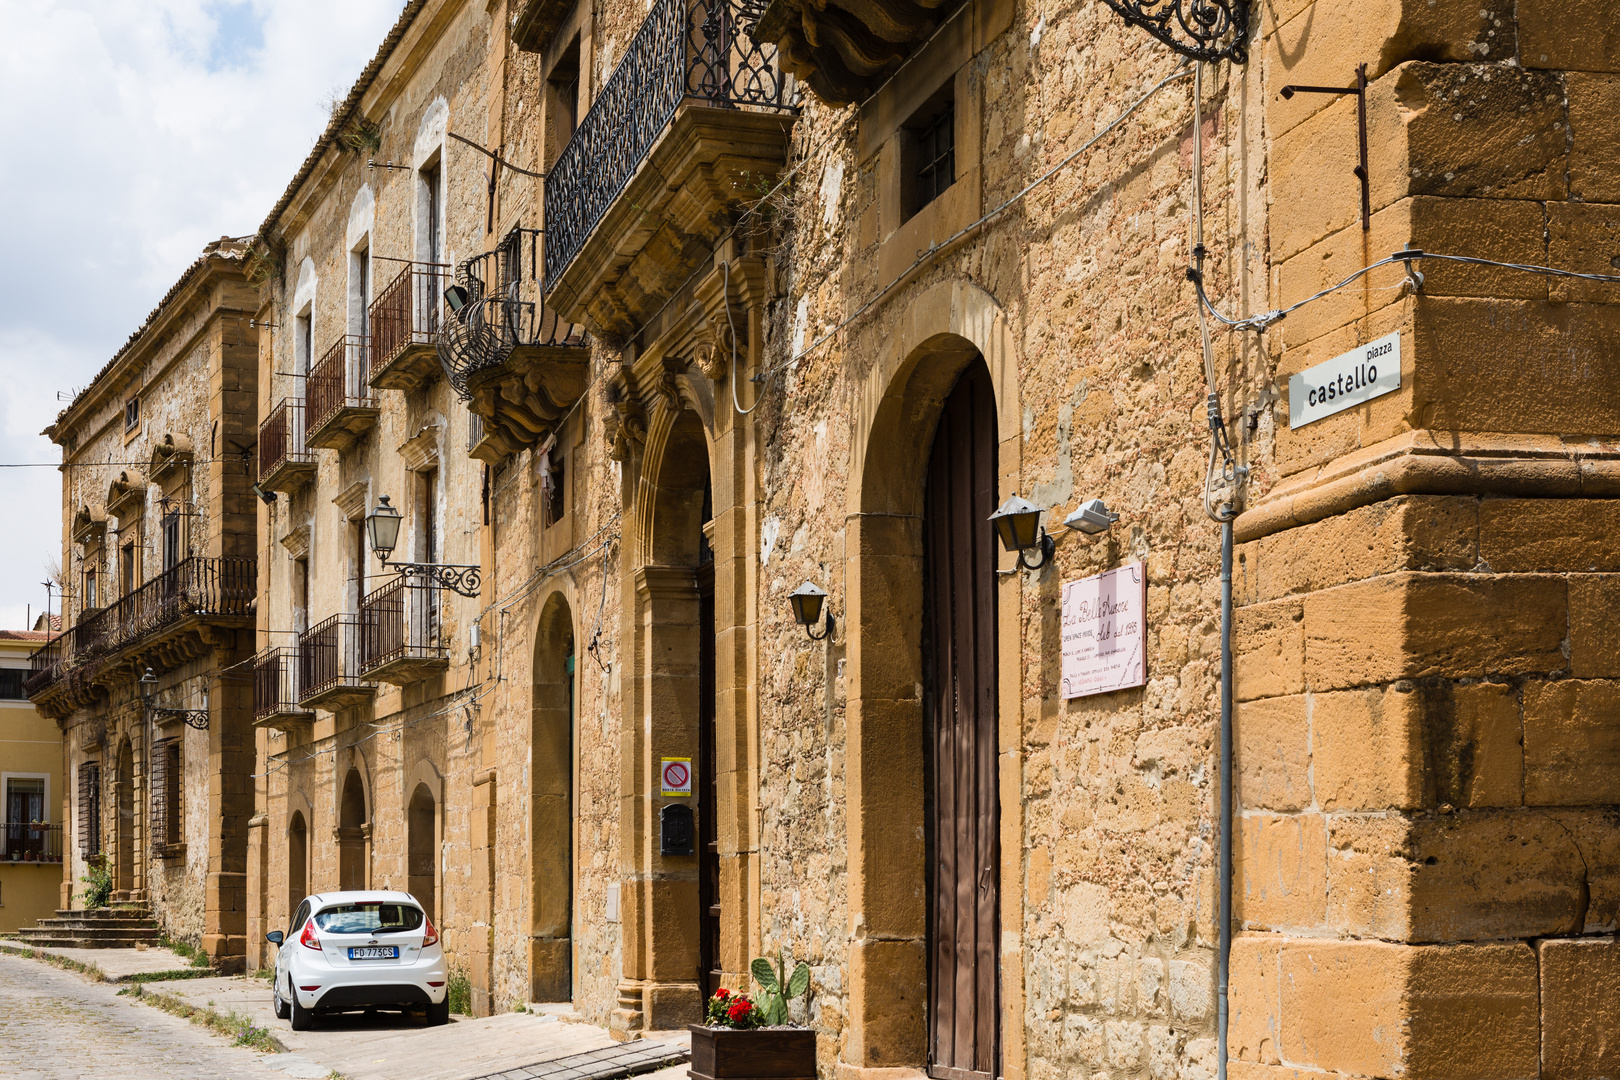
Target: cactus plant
column 777, row 987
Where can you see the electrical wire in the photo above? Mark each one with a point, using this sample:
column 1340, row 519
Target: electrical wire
column 963, row 233
column 725, row 299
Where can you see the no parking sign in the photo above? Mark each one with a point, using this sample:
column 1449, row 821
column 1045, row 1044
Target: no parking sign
column 677, row 776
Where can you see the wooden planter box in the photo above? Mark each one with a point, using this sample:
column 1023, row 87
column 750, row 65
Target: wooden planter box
column 757, row 1054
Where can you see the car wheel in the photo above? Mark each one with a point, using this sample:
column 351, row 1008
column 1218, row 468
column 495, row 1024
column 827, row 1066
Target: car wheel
column 439, row 1013
column 302, row 1019
column 279, row 1002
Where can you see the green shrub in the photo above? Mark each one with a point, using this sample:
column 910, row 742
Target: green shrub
column 99, row 881
column 459, row 991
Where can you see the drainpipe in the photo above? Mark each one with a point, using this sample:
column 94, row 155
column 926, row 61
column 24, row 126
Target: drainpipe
column 1224, row 933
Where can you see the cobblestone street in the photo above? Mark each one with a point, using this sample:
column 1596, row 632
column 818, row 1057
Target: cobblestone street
column 57, row 1024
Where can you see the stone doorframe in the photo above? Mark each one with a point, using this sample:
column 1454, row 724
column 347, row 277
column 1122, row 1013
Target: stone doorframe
column 553, row 800
column 662, row 498
column 896, row 408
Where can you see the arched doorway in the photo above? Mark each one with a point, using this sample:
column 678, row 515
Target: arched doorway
column 681, row 905
column 421, row 844
column 352, row 833
column 961, row 734
column 922, row 620
column 297, row 861
column 551, row 771
column 124, row 860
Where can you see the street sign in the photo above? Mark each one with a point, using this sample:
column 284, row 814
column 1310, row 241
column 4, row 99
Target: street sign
column 677, row 776
column 1104, row 632
column 1365, row 372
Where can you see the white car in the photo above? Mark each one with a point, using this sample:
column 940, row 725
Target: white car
column 358, row 950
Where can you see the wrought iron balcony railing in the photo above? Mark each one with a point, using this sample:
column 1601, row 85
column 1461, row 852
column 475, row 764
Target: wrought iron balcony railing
column 24, row 842
column 698, row 51
column 329, row 661
column 400, row 621
column 276, row 674
column 337, row 383
column 407, row 312
column 196, row 587
column 281, row 439
column 501, row 310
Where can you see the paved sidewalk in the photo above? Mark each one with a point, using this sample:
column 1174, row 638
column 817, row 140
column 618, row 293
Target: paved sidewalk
column 116, row 965
column 387, row 1046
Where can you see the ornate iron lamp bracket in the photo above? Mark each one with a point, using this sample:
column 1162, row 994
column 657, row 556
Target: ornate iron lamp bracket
column 194, row 718
column 465, row 580
column 1207, row 30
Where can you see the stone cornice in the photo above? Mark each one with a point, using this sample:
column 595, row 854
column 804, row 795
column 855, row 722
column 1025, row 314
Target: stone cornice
column 1433, row 463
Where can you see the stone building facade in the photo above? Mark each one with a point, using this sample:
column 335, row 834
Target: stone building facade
column 158, row 578
column 819, row 287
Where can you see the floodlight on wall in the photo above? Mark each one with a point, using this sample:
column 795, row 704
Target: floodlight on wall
column 456, row 297
column 267, row 497
column 382, row 529
column 1018, row 527
column 1091, row 518
column 808, row 600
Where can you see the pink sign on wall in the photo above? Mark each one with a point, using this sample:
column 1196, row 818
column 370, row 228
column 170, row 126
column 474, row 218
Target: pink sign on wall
column 1105, row 632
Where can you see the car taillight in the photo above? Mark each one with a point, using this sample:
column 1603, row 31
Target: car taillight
column 308, row 938
column 430, row 936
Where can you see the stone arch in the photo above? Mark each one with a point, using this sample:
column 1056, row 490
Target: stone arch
column 297, row 859
column 898, row 402
column 424, row 833
column 124, row 853
column 353, row 830
column 552, row 801
column 669, row 712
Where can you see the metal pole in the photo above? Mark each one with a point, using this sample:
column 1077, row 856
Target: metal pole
column 1224, row 930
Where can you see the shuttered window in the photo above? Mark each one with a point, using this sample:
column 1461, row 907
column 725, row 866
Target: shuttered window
column 89, row 808
column 166, row 777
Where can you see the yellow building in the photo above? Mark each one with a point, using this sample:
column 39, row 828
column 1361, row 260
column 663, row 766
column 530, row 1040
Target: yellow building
column 30, row 793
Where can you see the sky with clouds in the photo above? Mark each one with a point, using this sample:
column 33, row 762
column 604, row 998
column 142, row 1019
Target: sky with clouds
column 135, row 134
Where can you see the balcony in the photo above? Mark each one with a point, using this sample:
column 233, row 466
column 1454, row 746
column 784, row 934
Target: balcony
column 400, row 633
column 276, row 691
column 285, row 463
column 517, row 365
column 339, row 406
column 693, row 123
column 405, row 320
column 162, row 617
column 329, row 665
column 26, row 843
column 844, row 50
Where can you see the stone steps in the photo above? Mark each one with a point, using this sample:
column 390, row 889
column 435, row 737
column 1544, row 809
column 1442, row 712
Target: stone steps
column 120, row 927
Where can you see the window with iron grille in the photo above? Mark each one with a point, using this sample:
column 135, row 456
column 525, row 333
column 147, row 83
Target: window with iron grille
column 928, row 152
column 11, row 684
column 166, row 783
column 89, row 808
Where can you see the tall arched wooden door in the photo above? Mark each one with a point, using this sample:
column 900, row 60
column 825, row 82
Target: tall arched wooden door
column 960, row 686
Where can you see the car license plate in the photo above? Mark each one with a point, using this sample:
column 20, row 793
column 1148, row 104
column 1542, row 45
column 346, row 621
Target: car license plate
column 374, row 952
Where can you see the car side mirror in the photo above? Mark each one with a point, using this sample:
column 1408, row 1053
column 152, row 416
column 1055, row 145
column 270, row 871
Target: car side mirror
column 275, row 937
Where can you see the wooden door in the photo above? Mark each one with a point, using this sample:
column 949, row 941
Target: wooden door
column 959, row 657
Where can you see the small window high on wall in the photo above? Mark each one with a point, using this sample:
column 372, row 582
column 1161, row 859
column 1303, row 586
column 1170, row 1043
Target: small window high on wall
column 928, row 151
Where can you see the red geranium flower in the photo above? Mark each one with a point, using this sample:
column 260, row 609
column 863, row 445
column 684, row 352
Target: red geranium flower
column 739, row 1011
column 722, row 993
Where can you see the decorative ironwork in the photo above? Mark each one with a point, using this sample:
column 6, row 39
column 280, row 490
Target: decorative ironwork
column 407, row 312
column 281, row 438
column 400, row 621
column 192, row 588
column 501, row 310
column 194, row 718
column 1207, row 30
column 22, row 841
column 686, row 50
column 275, row 683
column 328, row 657
column 337, row 382
column 466, row 580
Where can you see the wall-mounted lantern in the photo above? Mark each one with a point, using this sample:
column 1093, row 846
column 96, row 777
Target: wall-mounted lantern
column 1018, row 527
column 382, row 528
column 808, row 600
column 194, row 718
column 1091, row 518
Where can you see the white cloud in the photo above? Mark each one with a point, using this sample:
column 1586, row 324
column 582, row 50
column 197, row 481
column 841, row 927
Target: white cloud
column 131, row 135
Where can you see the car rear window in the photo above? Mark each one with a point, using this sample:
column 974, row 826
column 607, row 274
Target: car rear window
column 369, row 918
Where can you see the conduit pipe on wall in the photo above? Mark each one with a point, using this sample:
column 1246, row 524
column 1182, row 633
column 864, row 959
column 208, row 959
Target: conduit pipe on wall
column 1223, row 508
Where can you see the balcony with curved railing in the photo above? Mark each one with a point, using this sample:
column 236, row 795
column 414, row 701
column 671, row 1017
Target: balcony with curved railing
column 692, row 123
